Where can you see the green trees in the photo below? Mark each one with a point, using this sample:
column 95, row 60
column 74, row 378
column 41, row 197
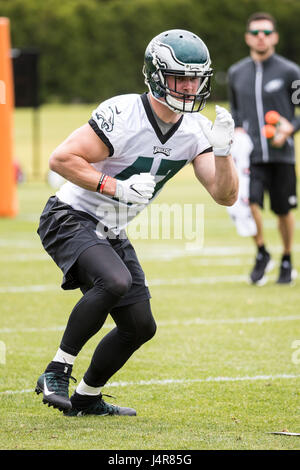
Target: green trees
column 92, row 49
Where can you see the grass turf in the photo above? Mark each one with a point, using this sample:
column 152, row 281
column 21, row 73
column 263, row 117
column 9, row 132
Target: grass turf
column 218, row 374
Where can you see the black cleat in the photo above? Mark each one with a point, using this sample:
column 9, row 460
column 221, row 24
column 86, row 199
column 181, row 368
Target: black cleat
column 96, row 406
column 54, row 384
column 286, row 274
column 263, row 264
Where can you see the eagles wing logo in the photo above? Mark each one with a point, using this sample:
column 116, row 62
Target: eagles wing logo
column 107, row 118
column 274, row 85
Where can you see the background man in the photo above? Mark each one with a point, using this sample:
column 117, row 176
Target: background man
column 257, row 84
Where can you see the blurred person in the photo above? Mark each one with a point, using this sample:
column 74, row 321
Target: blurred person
column 115, row 165
column 257, row 84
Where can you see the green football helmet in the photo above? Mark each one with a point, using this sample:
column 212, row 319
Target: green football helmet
column 177, row 53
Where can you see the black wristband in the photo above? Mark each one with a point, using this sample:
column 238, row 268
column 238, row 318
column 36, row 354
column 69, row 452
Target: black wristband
column 100, row 182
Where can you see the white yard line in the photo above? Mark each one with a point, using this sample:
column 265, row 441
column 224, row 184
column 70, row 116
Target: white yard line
column 198, row 260
column 198, row 280
column 163, row 250
column 193, row 321
column 179, row 381
column 19, row 243
column 208, row 379
column 24, row 257
column 229, row 321
column 233, row 279
column 29, row 288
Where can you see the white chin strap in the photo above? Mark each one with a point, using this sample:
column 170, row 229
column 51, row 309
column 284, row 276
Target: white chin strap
column 179, row 106
column 172, row 102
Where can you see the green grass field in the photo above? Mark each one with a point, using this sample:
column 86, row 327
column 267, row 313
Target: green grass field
column 221, row 372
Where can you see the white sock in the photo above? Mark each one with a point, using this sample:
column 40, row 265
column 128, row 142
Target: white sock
column 84, row 389
column 62, row 356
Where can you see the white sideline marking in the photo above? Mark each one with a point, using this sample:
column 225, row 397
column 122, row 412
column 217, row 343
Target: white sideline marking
column 224, row 321
column 30, row 288
column 180, row 381
column 229, row 261
column 24, row 257
column 198, row 280
column 198, row 260
column 162, row 250
column 208, row 379
column 19, row 243
column 168, row 253
column 153, row 282
column 194, row 321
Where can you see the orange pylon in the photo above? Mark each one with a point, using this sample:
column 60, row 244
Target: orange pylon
column 8, row 185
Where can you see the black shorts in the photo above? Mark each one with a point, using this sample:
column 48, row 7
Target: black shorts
column 65, row 233
column 279, row 180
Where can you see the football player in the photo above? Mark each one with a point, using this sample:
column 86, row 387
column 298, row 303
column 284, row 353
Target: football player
column 115, row 165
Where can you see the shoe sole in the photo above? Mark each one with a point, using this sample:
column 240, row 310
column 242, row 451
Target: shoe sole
column 80, row 414
column 52, row 401
column 261, row 282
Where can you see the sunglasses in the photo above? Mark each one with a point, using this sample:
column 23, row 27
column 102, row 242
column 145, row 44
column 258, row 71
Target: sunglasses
column 266, row 32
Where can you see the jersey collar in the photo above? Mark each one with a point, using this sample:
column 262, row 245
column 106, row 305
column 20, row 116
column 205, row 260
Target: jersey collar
column 162, row 137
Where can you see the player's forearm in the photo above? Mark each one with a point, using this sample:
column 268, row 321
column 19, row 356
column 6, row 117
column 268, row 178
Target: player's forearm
column 221, row 179
column 226, row 184
column 138, row 189
column 78, row 171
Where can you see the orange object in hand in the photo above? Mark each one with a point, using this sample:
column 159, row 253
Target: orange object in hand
column 268, row 131
column 272, row 117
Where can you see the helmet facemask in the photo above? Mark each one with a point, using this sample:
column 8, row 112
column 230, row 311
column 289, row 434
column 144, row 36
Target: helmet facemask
column 184, row 102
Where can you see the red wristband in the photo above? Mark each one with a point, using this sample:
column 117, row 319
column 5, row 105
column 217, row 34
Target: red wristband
column 103, row 183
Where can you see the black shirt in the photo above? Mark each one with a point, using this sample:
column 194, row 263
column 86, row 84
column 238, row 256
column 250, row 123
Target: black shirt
column 258, row 87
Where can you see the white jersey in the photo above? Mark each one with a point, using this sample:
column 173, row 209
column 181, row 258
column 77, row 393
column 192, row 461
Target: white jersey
column 127, row 126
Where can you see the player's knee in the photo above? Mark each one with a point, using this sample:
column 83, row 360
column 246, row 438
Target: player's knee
column 146, row 331
column 118, row 283
column 138, row 334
